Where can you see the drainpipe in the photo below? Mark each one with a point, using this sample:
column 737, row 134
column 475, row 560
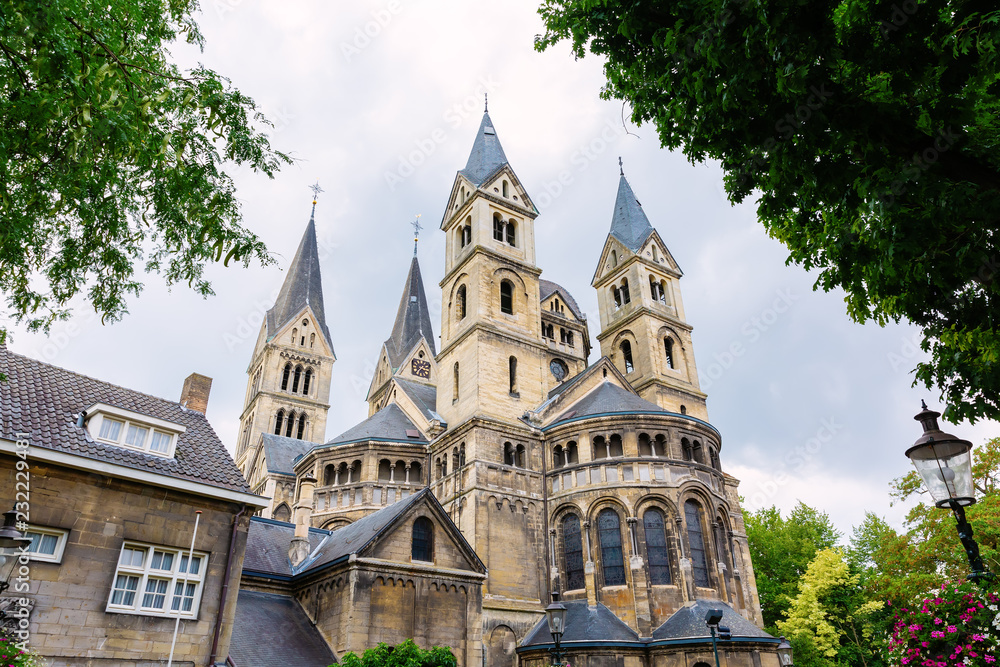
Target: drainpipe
column 225, row 586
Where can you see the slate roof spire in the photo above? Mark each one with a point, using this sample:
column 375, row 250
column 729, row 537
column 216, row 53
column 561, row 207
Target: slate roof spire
column 487, row 154
column 629, row 224
column 413, row 319
column 303, row 286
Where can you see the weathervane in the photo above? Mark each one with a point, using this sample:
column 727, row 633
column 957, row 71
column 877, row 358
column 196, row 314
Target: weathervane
column 416, row 232
column 621, row 168
column 316, row 191
column 486, row 99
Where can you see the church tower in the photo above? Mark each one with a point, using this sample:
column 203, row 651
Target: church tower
column 643, row 330
column 288, row 388
column 493, row 361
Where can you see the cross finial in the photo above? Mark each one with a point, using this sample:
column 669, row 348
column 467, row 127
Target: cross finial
column 486, row 100
column 621, row 168
column 316, row 191
column 416, row 232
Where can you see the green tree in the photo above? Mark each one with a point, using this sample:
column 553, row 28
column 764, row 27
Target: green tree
column 781, row 550
column 869, row 129
column 112, row 157
column 407, row 654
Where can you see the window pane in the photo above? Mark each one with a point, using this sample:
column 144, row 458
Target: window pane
column 699, row 559
column 656, row 547
column 136, row 436
column 423, row 535
column 156, row 594
column 612, row 557
column 161, row 442
column 573, row 552
column 184, row 563
column 42, row 544
column 124, row 592
column 183, row 599
column 110, row 429
column 132, row 557
column 162, row 561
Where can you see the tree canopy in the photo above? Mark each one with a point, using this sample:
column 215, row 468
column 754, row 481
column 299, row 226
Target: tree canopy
column 111, row 157
column 867, row 127
column 407, row 654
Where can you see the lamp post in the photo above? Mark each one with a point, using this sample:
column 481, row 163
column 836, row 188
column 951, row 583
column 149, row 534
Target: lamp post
column 555, row 616
column 712, row 618
column 944, row 462
column 785, row 653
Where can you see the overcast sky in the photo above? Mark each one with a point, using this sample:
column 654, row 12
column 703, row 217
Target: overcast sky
column 380, row 101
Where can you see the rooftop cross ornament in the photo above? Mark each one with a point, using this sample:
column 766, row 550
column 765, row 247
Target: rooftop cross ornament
column 486, row 100
column 316, row 192
column 416, row 232
column 621, row 167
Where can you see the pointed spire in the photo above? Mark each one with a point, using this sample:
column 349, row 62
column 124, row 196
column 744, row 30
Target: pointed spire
column 303, row 286
column 629, row 224
column 487, row 154
column 413, row 319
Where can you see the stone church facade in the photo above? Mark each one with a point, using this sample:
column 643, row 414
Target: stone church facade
column 600, row 482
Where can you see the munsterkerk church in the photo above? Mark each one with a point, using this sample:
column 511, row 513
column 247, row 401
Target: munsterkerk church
column 498, row 469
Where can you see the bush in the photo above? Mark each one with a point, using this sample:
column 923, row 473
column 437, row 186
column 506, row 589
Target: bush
column 958, row 624
column 12, row 656
column 407, row 654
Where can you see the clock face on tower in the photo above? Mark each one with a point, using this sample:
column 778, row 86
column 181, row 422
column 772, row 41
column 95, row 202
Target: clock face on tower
column 420, row 368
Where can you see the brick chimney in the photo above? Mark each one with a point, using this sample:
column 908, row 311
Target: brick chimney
column 195, row 392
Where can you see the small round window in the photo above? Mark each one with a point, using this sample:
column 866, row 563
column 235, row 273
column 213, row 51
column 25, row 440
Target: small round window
column 559, row 369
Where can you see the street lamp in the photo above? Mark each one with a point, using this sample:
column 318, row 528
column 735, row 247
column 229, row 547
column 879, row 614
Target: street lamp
column 944, row 462
column 10, row 538
column 712, row 618
column 555, row 616
column 785, row 653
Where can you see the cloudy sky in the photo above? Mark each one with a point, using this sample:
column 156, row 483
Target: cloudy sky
column 380, row 101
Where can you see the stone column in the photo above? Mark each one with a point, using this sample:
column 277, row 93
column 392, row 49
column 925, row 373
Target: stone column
column 640, row 589
column 299, row 548
column 686, row 576
column 589, row 570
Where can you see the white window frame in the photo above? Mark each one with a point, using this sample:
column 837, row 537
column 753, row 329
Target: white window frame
column 173, row 577
column 100, row 412
column 61, row 537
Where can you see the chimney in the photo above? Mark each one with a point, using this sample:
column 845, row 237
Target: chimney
column 194, row 395
column 299, row 549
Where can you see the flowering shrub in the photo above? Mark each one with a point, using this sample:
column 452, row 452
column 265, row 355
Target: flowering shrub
column 958, row 624
column 12, row 656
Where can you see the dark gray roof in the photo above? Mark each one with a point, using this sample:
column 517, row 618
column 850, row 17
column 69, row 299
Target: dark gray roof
column 267, row 546
column 584, row 624
column 389, row 423
column 487, row 154
column 608, row 398
column 303, row 287
column 272, row 629
column 689, row 623
column 629, row 224
column 44, row 401
column 280, row 452
column 425, row 396
column 547, row 287
column 413, row 319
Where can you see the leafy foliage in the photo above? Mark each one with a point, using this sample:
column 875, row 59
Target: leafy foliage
column 111, row 156
column 869, row 129
column 407, row 654
column 958, row 624
column 13, row 653
column 781, row 550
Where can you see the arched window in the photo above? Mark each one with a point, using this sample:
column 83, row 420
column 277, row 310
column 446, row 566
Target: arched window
column 656, row 257
column 289, row 424
column 617, row 294
column 601, row 448
column 626, row 348
column 461, row 454
column 612, row 557
column 573, row 552
column 660, row 445
column 416, row 473
column 282, row 513
column 306, row 381
column 645, row 447
column 454, row 459
column 302, row 426
column 423, row 540
column 510, row 232
column 460, row 306
column 714, row 458
column 354, row 474
column 668, row 347
column 508, row 454
column 444, row 465
column 615, row 447
column 521, row 457
column 467, row 233
column 456, row 383
column 343, row 474
column 498, row 227
column 295, row 336
column 507, row 297
column 312, row 339
column 699, row 453
column 512, row 374
column 663, row 292
column 329, row 475
column 614, row 257
column 653, row 287
column 654, row 528
column 284, row 377
column 686, row 449
column 278, row 421
column 558, row 457
column 296, row 378
column 505, row 192
column 572, row 453
column 437, row 467
column 696, row 540
column 625, row 295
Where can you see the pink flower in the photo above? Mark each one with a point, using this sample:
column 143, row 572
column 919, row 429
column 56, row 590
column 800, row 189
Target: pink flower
column 952, row 628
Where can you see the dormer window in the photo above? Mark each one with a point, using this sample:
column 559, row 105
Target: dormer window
column 132, row 430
